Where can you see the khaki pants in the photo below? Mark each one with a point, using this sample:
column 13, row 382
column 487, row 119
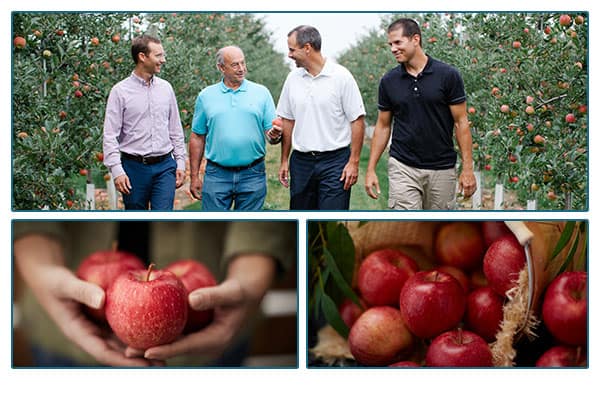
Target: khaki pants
column 420, row 189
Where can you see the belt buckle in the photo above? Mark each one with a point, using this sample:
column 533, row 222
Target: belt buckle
column 144, row 160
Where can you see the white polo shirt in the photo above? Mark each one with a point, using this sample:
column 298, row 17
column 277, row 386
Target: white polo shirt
column 322, row 107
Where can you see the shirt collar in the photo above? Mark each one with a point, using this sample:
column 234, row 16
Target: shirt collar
column 427, row 70
column 243, row 87
column 141, row 80
column 327, row 69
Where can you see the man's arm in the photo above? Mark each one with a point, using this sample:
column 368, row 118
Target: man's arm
column 287, row 127
column 467, row 183
column 350, row 172
column 197, row 144
column 177, row 140
column 381, row 137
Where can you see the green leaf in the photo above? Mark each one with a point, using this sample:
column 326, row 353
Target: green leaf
column 564, row 238
column 341, row 247
column 333, row 317
column 339, row 280
column 569, row 258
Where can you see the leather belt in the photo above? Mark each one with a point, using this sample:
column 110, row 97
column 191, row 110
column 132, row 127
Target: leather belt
column 320, row 153
column 146, row 160
column 237, row 169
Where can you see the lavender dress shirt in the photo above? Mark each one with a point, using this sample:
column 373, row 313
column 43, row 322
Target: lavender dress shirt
column 142, row 119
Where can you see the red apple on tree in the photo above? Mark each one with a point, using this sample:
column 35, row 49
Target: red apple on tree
column 564, row 310
column 459, row 244
column 380, row 337
column 432, row 302
column 382, row 274
column 19, row 42
column 565, row 20
column 562, row 356
column 458, row 348
column 147, row 308
column 502, row 263
column 484, row 312
column 194, row 275
column 103, row 267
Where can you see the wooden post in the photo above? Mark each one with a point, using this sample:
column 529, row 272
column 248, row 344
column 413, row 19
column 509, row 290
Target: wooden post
column 111, row 191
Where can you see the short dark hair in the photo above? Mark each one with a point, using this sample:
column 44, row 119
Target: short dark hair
column 409, row 27
column 140, row 45
column 307, row 34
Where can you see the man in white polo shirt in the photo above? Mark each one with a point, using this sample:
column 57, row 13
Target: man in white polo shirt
column 323, row 120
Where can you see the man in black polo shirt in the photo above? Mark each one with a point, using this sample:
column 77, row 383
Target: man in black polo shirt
column 427, row 102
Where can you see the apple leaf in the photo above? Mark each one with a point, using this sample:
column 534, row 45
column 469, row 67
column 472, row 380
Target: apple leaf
column 341, row 283
column 333, row 316
column 570, row 256
column 341, row 247
column 564, row 239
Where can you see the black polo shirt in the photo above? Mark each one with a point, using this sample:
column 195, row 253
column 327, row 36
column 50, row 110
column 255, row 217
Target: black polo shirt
column 422, row 135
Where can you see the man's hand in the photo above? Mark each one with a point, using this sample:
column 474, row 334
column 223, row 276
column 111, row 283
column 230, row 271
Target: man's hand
column 372, row 184
column 179, row 178
column 274, row 134
column 350, row 174
column 467, row 183
column 284, row 174
column 196, row 187
column 122, row 184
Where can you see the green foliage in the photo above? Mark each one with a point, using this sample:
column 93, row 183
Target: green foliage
column 331, row 268
column 520, row 54
column 57, row 132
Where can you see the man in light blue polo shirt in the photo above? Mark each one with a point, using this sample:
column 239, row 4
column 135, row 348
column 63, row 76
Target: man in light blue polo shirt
column 232, row 121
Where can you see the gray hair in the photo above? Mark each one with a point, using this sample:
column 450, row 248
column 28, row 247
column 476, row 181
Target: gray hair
column 307, row 34
column 220, row 54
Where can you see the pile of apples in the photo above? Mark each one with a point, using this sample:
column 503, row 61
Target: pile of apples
column 146, row 307
column 449, row 315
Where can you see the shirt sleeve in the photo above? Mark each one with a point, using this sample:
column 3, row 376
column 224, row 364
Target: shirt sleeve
column 284, row 106
column 352, row 99
column 383, row 101
column 199, row 121
column 455, row 88
column 277, row 239
column 268, row 111
column 176, row 132
column 113, row 122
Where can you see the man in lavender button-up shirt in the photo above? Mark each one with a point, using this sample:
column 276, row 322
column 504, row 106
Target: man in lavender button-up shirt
column 144, row 146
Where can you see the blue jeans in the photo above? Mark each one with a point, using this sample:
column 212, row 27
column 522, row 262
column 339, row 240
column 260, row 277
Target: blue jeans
column 315, row 180
column 245, row 190
column 153, row 186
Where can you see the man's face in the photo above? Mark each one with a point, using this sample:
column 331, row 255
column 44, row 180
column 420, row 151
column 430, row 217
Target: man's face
column 295, row 52
column 234, row 66
column 154, row 59
column 403, row 47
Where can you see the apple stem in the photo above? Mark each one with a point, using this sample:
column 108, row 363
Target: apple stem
column 150, row 267
column 460, row 335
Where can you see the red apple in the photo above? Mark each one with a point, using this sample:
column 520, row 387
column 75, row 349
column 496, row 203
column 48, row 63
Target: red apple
column 380, row 337
column 504, row 108
column 194, row 275
column 484, row 312
column 493, row 230
column 516, row 44
column 431, row 302
column 103, row 267
column 562, row 356
column 458, row 274
column 147, row 308
column 19, row 42
column 538, row 139
column 564, row 310
column 350, row 311
column 565, row 20
column 459, row 244
column 458, row 348
column 382, row 274
column 406, row 364
column 502, row 263
column 570, row 118
column 276, row 122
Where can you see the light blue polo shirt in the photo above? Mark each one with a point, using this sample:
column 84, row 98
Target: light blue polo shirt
column 234, row 122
